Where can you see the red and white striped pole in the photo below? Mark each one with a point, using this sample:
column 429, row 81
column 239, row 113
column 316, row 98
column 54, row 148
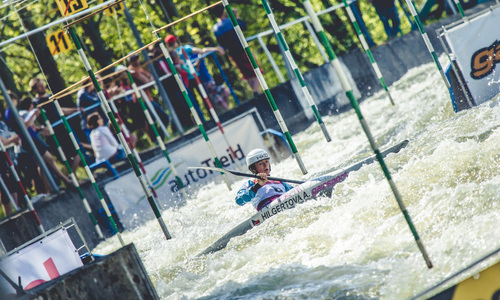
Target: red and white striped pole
column 21, row 186
column 204, row 95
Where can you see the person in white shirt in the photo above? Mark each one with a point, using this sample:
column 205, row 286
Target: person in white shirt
column 103, row 142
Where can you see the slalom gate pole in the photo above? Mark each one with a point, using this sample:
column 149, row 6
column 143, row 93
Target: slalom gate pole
column 354, row 103
column 296, row 71
column 118, row 132
column 157, row 135
column 7, row 192
column 155, row 116
column 71, row 173
column 460, row 9
column 204, row 95
column 424, row 35
column 126, row 134
column 362, row 39
column 226, row 80
column 69, row 131
column 182, row 88
column 184, row 93
column 263, row 85
column 21, row 187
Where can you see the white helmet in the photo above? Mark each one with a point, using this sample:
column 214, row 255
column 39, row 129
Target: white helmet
column 256, row 155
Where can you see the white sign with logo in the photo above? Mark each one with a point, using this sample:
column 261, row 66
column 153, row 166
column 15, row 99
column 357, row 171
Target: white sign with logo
column 39, row 262
column 476, row 45
column 127, row 195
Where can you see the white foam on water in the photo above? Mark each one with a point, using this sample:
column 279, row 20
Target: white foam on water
column 357, row 244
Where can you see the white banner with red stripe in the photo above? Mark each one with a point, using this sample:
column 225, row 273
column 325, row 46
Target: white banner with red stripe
column 39, row 262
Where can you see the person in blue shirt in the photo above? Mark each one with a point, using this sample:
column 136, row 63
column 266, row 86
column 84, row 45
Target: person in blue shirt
column 227, row 38
column 260, row 192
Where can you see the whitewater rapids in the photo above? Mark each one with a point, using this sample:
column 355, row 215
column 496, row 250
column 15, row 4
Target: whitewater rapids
column 356, row 245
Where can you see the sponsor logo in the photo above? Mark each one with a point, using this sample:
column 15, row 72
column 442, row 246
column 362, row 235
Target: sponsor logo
column 484, row 60
column 255, row 223
column 329, row 183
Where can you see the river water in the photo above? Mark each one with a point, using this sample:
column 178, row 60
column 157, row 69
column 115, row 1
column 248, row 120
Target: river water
column 356, row 244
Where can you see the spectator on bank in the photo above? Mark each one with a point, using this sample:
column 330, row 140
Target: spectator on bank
column 85, row 98
column 113, row 91
column 128, row 106
column 23, row 161
column 103, row 142
column 170, row 85
column 9, row 140
column 35, row 132
column 39, row 89
column 388, row 14
column 215, row 93
column 141, row 76
column 227, row 38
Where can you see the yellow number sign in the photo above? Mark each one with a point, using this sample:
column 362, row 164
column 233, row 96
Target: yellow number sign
column 58, row 42
column 69, row 7
column 111, row 11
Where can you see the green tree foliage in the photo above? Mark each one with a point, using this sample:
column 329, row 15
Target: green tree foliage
column 108, row 38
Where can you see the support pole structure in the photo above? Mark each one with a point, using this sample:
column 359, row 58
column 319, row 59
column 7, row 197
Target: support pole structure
column 354, row 103
column 296, row 71
column 157, row 135
column 184, row 92
column 424, row 35
column 71, row 174
column 362, row 39
column 204, row 95
column 263, row 85
column 91, row 177
column 118, row 132
column 21, row 187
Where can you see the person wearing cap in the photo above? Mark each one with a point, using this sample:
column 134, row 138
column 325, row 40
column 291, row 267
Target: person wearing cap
column 191, row 53
column 260, row 192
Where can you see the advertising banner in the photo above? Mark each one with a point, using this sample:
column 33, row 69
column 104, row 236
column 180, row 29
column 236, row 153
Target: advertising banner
column 128, row 197
column 39, row 262
column 476, row 44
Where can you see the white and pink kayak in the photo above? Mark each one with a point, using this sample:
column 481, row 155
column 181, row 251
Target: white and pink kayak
column 302, row 193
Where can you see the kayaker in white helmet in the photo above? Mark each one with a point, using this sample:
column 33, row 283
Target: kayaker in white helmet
column 260, row 192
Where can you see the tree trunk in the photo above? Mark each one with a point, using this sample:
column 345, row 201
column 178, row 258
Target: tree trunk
column 48, row 64
column 99, row 52
column 7, row 76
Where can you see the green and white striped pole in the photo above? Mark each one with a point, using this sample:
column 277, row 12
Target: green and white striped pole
column 71, row 173
column 362, row 39
column 118, row 132
column 196, row 117
column 72, row 137
column 460, row 9
column 126, row 134
column 184, row 93
column 421, row 28
column 354, row 103
column 263, row 85
column 21, row 187
column 296, row 71
column 204, row 95
column 157, row 135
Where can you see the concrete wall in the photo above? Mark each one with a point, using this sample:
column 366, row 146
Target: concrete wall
column 120, row 275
